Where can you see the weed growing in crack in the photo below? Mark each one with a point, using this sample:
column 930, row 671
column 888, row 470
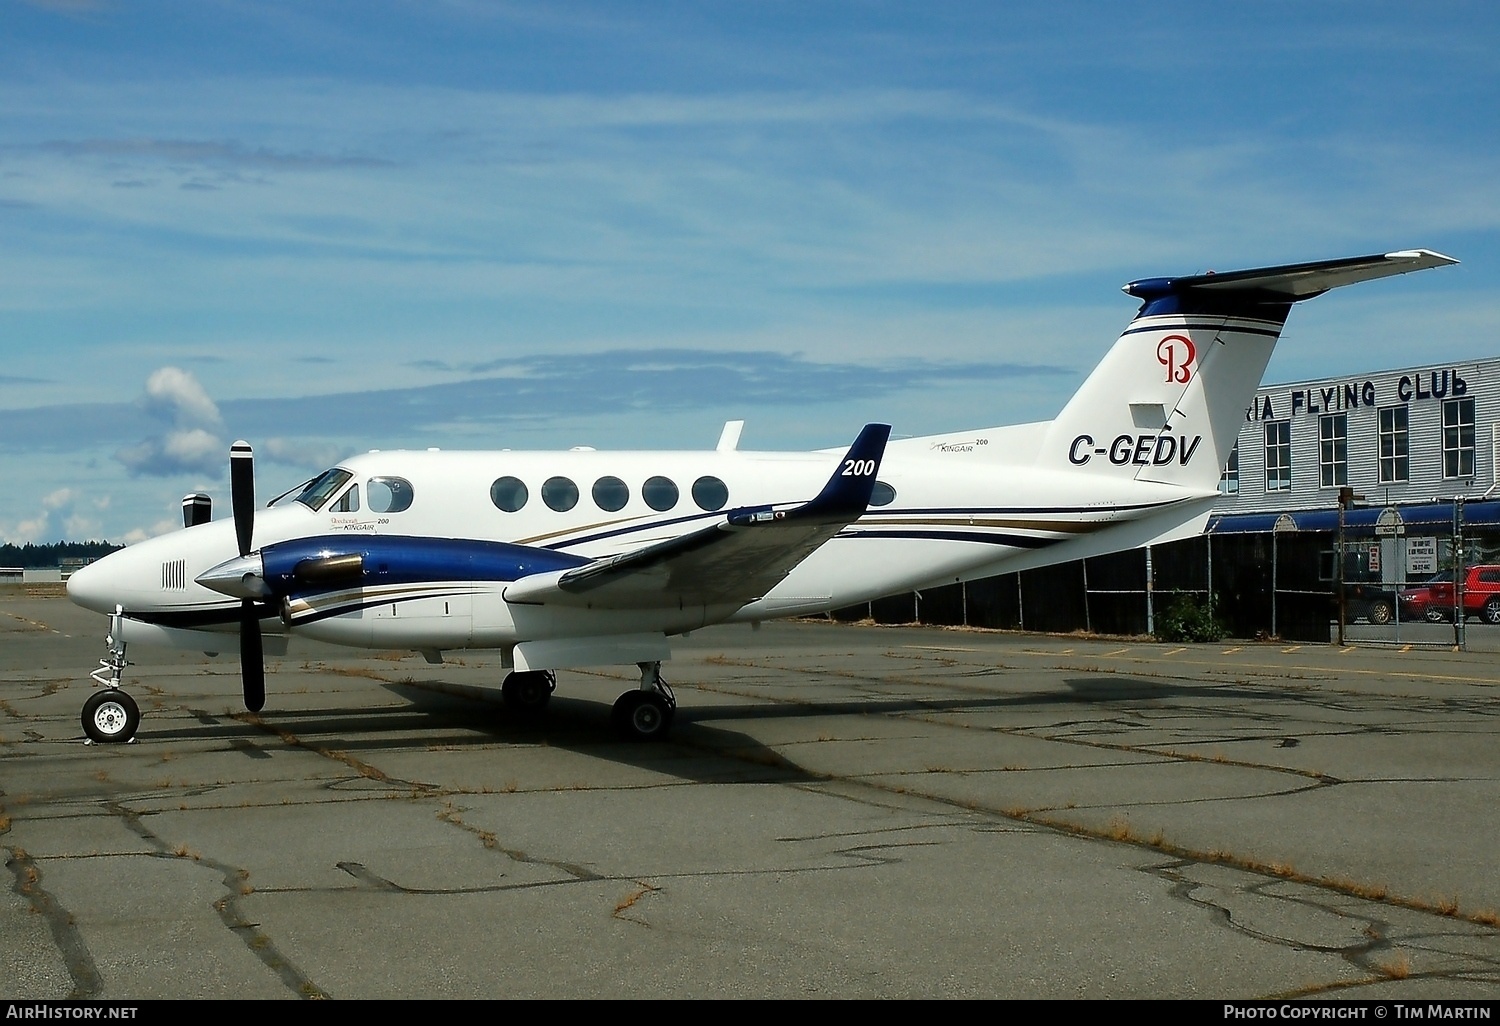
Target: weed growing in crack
column 633, row 897
column 1397, row 968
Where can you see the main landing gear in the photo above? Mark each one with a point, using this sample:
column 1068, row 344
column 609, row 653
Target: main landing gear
column 646, row 713
column 110, row 716
column 528, row 691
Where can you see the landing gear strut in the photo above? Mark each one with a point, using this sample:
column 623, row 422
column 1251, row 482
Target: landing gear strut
column 528, row 691
column 646, row 713
column 110, row 716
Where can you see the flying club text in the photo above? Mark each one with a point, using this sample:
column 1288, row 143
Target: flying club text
column 1418, row 387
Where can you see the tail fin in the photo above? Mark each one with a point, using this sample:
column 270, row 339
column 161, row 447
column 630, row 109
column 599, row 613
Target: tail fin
column 1166, row 403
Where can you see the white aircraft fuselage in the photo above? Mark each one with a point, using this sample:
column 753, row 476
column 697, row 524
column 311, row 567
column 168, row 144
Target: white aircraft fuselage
column 943, row 525
column 583, row 557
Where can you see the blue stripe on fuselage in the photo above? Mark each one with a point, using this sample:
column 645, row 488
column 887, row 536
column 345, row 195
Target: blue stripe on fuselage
column 405, row 559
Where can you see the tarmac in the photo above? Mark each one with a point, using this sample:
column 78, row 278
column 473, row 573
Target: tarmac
column 842, row 811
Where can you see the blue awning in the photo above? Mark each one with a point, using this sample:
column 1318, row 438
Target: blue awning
column 1432, row 518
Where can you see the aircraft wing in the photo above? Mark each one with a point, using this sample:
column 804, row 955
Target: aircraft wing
column 734, row 561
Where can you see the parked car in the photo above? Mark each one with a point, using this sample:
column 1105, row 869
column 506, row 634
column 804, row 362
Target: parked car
column 1433, row 599
column 1364, row 593
column 1370, row 601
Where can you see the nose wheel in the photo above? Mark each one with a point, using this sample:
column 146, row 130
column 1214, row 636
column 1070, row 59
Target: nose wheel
column 110, row 717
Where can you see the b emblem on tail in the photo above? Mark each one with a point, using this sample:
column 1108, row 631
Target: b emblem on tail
column 1176, row 353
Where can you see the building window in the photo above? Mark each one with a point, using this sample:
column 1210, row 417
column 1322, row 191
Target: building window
column 1395, row 446
column 1278, row 456
column 1458, row 438
column 1333, row 450
column 1229, row 481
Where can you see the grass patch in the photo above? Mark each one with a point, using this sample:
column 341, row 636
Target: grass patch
column 1396, row 968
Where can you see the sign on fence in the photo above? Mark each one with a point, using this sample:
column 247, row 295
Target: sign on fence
column 1421, row 556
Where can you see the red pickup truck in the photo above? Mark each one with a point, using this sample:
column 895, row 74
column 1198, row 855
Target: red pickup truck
column 1433, row 600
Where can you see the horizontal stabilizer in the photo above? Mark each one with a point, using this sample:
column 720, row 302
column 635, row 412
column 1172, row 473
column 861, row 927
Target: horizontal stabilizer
column 1292, row 282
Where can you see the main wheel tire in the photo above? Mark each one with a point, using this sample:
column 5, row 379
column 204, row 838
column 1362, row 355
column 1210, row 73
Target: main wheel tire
column 527, row 691
column 642, row 716
column 110, row 717
column 1492, row 610
column 1379, row 612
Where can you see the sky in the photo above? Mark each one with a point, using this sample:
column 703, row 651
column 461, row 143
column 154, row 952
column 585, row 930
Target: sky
column 327, row 227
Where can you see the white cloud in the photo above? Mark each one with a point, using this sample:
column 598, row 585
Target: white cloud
column 173, row 395
column 60, row 498
column 60, row 519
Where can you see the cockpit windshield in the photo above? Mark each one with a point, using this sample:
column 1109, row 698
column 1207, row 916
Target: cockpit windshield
column 294, row 490
column 318, row 491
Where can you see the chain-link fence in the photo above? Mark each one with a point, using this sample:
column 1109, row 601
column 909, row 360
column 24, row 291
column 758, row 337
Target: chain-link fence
column 1267, row 576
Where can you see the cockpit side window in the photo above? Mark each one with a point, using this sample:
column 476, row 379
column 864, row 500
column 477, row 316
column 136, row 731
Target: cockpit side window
column 322, row 487
column 388, row 494
column 349, row 501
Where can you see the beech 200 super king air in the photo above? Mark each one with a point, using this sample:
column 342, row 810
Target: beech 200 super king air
column 569, row 559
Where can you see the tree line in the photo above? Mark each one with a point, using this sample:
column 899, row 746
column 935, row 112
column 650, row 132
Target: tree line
column 33, row 557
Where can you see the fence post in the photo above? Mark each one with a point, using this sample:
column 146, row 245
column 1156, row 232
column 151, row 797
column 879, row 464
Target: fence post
column 1208, row 541
column 1088, row 623
column 1150, row 591
column 1460, row 565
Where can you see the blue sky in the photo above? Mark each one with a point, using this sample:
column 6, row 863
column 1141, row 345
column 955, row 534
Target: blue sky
column 328, row 227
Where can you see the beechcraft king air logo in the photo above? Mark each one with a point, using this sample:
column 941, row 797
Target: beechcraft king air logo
column 1176, row 353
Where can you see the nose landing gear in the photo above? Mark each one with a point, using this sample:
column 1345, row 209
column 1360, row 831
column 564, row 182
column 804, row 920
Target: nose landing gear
column 110, row 716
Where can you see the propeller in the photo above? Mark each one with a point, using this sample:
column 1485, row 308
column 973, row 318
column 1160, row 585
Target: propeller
column 242, row 502
column 197, row 508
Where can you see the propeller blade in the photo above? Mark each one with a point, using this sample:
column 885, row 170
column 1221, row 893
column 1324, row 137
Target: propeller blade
column 242, row 493
column 252, row 657
column 197, row 508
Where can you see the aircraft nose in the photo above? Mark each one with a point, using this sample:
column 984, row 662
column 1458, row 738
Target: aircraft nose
column 90, row 588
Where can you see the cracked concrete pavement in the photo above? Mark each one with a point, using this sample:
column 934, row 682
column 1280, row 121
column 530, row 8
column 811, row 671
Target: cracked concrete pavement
column 842, row 811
